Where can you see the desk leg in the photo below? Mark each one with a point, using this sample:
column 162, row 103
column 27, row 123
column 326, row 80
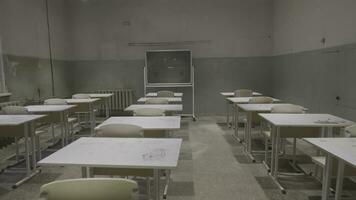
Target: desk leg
column 233, row 116
column 339, row 179
column 27, row 149
column 63, row 129
column 84, row 172
column 107, row 104
column 236, row 130
column 227, row 113
column 342, row 132
column 67, row 131
column 92, row 119
column 329, row 132
column 248, row 132
column 248, row 136
column 53, row 134
column 273, row 154
column 33, row 145
column 276, row 152
column 29, row 132
column 276, row 159
column 156, row 177
column 326, row 177
column 236, row 112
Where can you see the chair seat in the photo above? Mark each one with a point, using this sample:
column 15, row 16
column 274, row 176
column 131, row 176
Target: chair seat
column 39, row 132
column 89, row 188
column 87, row 112
column 242, row 119
column 72, row 119
column 319, row 160
column 267, row 133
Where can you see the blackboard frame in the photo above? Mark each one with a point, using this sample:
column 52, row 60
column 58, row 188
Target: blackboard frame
column 187, row 70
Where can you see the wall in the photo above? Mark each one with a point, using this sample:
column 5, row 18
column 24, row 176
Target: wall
column 61, row 46
column 229, row 39
column 308, row 71
column 23, row 29
column 216, row 74
column 300, row 25
column 230, row 28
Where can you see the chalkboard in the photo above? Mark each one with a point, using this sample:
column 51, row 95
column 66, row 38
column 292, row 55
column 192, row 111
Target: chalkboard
column 168, row 66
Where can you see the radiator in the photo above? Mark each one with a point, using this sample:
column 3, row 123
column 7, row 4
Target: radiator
column 121, row 99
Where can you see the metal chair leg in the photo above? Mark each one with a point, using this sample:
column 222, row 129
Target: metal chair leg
column 38, row 145
column 17, row 150
column 148, row 182
column 294, row 151
column 53, row 134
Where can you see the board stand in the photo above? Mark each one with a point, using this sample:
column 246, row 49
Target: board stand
column 174, row 85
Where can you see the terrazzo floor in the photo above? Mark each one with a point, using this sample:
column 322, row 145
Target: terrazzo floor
column 212, row 166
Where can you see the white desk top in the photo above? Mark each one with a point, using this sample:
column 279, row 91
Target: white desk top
column 264, row 107
column 306, row 120
column 14, row 120
column 48, row 108
column 231, row 94
column 238, row 100
column 6, row 94
column 342, row 148
column 101, row 95
column 167, row 107
column 147, row 123
column 170, row 99
column 154, row 94
column 75, row 101
column 147, row 153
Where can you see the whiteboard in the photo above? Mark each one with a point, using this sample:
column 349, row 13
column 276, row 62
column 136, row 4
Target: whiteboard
column 168, row 66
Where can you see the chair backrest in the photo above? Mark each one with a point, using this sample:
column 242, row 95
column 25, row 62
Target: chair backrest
column 120, row 131
column 295, row 132
column 55, row 101
column 15, row 110
column 261, row 100
column 165, row 93
column 243, row 93
column 149, row 112
column 90, row 189
column 351, row 130
column 287, row 108
column 157, row 101
column 81, row 96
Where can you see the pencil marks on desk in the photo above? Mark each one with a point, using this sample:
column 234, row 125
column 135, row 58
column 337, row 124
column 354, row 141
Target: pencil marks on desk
column 155, row 154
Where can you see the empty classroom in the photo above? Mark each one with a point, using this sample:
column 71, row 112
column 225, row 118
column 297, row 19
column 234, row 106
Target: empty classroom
column 177, row 99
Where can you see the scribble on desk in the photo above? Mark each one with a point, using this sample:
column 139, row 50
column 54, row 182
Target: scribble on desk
column 328, row 122
column 155, row 154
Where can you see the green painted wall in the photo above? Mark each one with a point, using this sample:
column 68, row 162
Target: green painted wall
column 212, row 75
column 315, row 78
column 29, row 78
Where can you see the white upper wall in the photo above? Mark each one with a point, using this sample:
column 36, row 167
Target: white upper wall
column 24, row 32
column 300, row 25
column 101, row 30
column 60, row 28
column 230, row 28
column 23, row 28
